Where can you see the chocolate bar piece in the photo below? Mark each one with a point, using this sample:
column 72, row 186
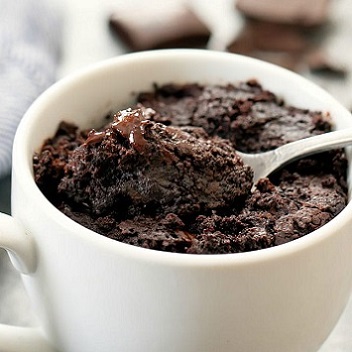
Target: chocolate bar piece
column 268, row 36
column 163, row 26
column 301, row 12
column 279, row 43
column 283, row 32
column 320, row 62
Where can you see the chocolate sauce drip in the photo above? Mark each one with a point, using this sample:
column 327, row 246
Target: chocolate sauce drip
column 129, row 124
column 94, row 137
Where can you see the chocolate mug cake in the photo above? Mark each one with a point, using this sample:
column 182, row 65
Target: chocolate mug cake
column 165, row 174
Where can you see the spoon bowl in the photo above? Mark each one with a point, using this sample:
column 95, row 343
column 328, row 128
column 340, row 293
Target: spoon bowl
column 263, row 164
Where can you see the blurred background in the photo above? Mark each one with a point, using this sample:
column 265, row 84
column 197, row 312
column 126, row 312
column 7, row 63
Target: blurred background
column 312, row 38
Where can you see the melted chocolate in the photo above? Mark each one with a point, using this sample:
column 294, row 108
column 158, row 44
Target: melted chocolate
column 94, row 137
column 128, row 123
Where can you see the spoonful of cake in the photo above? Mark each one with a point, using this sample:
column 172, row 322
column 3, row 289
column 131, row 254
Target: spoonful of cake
column 137, row 166
column 265, row 163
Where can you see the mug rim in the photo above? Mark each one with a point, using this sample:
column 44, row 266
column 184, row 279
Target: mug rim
column 22, row 165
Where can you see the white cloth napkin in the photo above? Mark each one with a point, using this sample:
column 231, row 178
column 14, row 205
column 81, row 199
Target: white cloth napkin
column 30, row 36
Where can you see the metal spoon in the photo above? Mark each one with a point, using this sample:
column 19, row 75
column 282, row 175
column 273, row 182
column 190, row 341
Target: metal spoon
column 265, row 163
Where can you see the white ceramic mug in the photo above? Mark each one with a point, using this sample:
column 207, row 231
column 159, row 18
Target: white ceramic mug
column 94, row 294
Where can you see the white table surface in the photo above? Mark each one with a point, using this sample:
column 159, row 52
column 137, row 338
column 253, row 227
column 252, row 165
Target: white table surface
column 87, row 39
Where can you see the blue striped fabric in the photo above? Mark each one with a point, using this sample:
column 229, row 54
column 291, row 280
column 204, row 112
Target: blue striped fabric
column 30, row 36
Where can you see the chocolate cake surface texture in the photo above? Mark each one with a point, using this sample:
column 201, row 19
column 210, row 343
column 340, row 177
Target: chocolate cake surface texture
column 164, row 174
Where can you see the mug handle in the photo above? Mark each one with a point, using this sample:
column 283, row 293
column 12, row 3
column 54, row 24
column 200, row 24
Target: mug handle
column 21, row 250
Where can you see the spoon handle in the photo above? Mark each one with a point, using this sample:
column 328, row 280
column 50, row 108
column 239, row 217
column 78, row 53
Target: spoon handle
column 267, row 162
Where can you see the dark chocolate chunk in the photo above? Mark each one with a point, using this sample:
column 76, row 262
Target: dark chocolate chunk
column 319, row 62
column 164, row 26
column 269, row 36
column 300, row 12
column 284, row 33
column 279, row 43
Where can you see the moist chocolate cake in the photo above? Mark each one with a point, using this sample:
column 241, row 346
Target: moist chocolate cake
column 165, row 174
